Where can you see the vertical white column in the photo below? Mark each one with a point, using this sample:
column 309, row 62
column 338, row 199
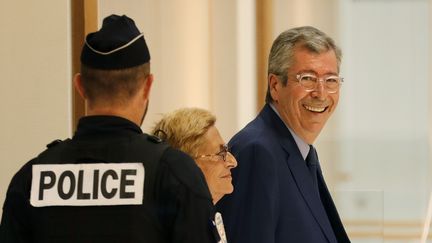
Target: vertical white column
column 233, row 86
column 184, row 54
column 178, row 35
column 246, row 62
column 428, row 217
column 223, row 49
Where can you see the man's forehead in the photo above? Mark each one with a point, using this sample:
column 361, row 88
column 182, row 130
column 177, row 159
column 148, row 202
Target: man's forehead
column 313, row 62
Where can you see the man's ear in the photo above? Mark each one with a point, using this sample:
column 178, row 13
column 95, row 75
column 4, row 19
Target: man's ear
column 77, row 81
column 274, row 86
column 147, row 86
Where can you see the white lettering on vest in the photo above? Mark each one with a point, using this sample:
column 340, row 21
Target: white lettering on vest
column 87, row 184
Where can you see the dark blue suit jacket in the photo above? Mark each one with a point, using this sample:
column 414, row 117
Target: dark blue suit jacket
column 274, row 200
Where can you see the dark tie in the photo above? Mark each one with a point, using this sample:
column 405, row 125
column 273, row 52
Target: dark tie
column 313, row 165
column 325, row 198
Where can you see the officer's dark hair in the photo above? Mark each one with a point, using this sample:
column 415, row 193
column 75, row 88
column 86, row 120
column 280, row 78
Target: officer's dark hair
column 113, row 86
column 282, row 51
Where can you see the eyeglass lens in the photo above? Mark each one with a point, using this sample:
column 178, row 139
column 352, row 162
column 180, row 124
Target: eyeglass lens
column 223, row 152
column 310, row 82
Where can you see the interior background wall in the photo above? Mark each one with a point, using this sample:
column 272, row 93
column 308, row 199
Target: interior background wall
column 35, row 81
column 383, row 128
column 375, row 149
column 202, row 55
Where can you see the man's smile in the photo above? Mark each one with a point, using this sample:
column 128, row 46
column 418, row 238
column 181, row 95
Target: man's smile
column 315, row 108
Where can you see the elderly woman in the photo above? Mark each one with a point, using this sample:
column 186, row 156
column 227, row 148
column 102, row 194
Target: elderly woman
column 193, row 131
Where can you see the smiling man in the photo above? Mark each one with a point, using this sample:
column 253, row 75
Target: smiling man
column 280, row 194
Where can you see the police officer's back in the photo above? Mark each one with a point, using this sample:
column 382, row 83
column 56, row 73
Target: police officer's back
column 110, row 182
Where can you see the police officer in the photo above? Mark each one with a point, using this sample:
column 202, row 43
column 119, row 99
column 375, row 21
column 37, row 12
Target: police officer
column 110, row 182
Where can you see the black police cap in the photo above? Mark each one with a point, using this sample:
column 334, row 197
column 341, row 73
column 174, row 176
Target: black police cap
column 117, row 45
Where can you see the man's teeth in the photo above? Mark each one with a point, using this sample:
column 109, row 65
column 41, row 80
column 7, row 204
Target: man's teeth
column 315, row 109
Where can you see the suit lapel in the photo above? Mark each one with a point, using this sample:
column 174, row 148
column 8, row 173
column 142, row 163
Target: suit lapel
column 301, row 174
column 330, row 208
column 304, row 183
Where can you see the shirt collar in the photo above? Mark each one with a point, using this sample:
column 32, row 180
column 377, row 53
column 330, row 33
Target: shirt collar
column 302, row 145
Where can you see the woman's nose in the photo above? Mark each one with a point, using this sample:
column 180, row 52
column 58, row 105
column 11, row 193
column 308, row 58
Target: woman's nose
column 231, row 161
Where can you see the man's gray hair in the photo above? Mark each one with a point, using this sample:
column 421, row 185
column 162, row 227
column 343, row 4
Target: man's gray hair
column 282, row 51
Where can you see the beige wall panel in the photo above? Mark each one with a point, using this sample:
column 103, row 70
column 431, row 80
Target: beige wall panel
column 322, row 14
column 177, row 33
column 35, row 84
column 195, row 47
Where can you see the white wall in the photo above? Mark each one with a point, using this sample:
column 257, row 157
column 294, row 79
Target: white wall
column 35, row 104
column 384, row 113
column 375, row 150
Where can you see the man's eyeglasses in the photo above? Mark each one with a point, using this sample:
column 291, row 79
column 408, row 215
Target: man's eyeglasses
column 221, row 155
column 310, row 82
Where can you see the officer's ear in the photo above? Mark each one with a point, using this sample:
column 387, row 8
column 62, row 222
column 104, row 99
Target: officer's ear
column 147, row 86
column 78, row 85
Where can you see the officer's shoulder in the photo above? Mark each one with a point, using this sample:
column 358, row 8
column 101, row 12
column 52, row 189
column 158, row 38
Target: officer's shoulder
column 54, row 143
column 146, row 139
column 181, row 165
column 185, row 169
column 153, row 139
column 20, row 182
column 146, row 142
column 53, row 147
column 49, row 146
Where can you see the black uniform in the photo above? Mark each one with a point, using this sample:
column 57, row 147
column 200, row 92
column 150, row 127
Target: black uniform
column 73, row 191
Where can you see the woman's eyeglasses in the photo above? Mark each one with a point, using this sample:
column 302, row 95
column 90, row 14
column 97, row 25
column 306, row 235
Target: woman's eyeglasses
column 221, row 155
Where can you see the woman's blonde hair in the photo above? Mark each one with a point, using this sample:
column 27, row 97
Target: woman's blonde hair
column 184, row 129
